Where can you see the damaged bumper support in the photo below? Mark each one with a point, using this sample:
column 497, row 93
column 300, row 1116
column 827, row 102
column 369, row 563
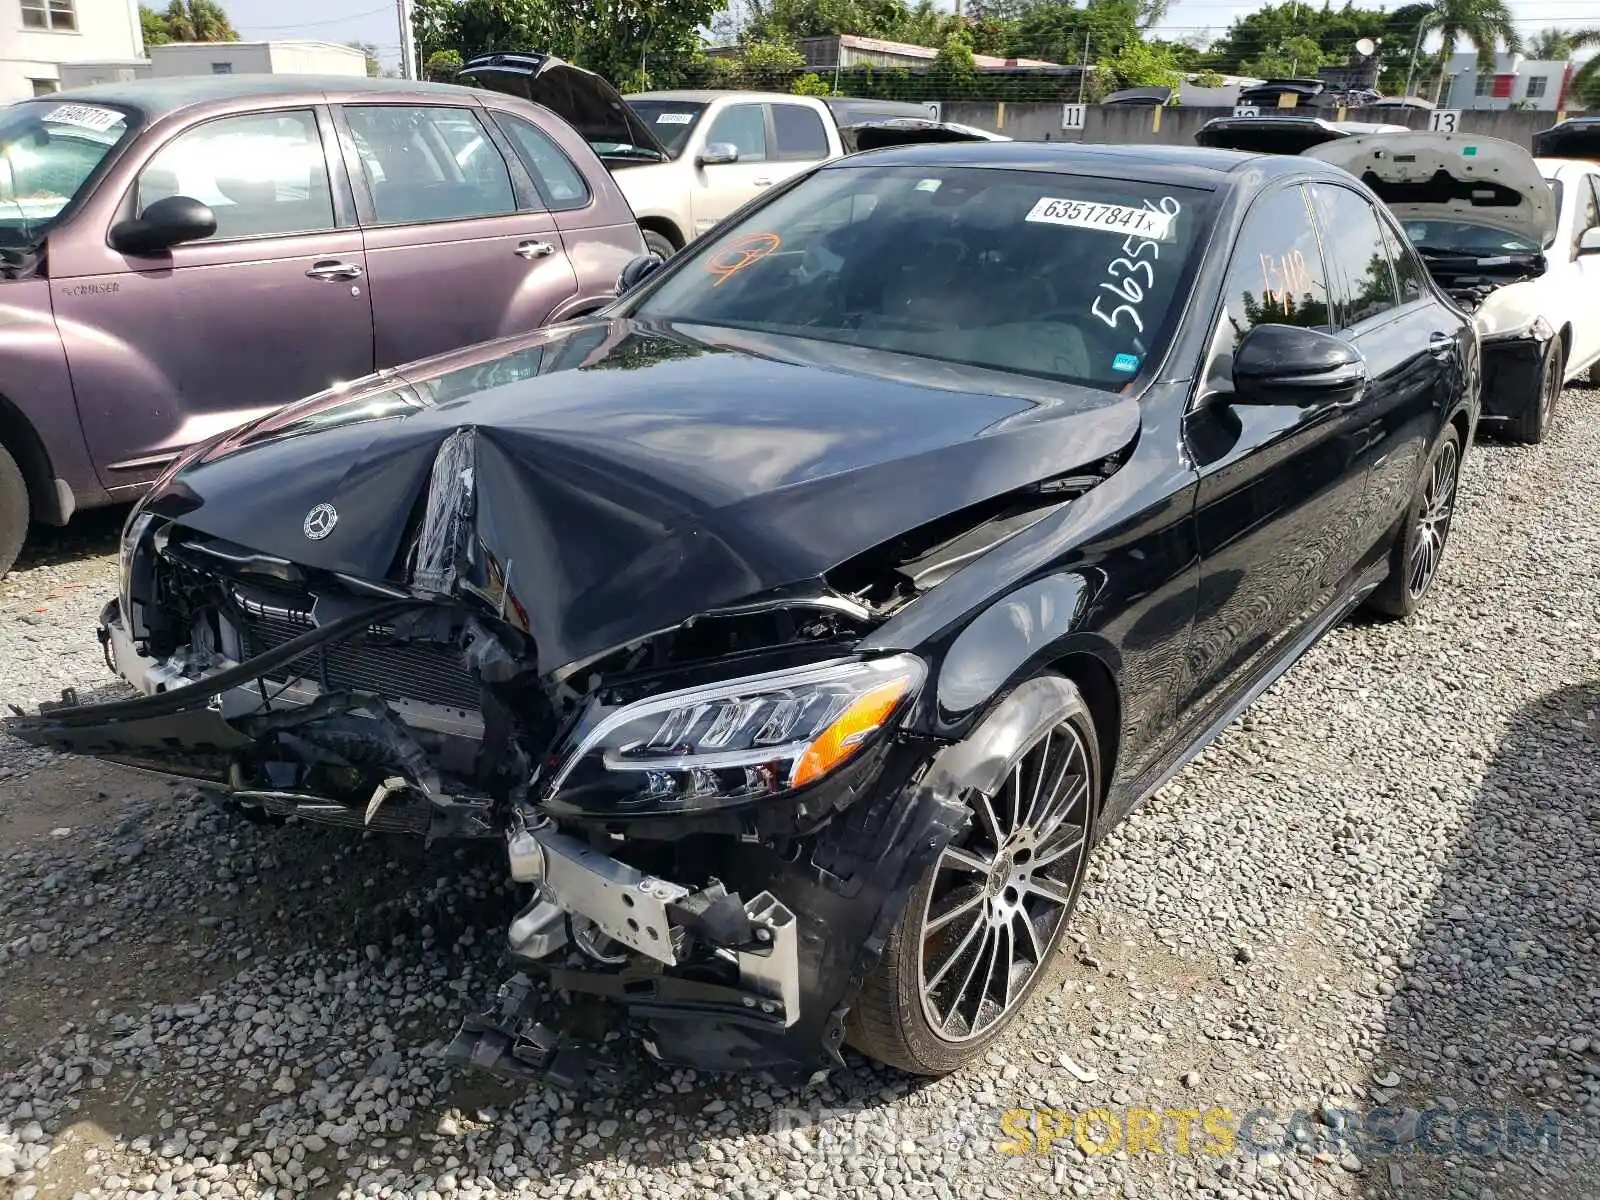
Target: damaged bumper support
column 1512, row 370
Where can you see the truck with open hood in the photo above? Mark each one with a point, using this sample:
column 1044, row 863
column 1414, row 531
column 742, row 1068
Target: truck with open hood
column 688, row 159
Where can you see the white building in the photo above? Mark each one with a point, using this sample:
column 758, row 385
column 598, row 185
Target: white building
column 255, row 58
column 1515, row 82
column 38, row 36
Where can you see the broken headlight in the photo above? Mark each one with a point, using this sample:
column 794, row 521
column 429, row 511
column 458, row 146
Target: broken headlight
column 726, row 743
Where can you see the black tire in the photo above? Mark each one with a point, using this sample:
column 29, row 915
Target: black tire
column 1539, row 413
column 1045, row 721
column 659, row 243
column 14, row 511
column 1400, row 595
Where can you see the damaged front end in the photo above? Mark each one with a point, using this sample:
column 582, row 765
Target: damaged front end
column 719, row 816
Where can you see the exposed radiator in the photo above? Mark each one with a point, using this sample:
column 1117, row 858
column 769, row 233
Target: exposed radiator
column 394, row 670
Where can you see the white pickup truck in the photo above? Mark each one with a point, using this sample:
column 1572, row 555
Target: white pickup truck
column 687, row 159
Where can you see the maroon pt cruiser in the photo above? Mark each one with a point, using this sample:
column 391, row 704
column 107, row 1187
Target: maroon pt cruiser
column 178, row 256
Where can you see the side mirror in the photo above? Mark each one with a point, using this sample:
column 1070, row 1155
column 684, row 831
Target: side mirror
column 1288, row 364
column 637, row 271
column 1589, row 242
column 163, row 224
column 716, row 153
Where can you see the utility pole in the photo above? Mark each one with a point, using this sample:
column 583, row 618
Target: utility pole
column 408, row 44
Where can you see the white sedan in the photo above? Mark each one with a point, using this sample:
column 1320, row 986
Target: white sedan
column 1514, row 240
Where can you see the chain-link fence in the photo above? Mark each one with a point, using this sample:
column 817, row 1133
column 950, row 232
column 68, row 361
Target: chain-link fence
column 1065, row 84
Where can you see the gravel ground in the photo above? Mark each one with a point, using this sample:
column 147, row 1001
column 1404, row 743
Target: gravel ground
column 1379, row 891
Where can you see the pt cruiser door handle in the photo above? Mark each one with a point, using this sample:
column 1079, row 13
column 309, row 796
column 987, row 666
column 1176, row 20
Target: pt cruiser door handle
column 333, row 270
column 533, row 250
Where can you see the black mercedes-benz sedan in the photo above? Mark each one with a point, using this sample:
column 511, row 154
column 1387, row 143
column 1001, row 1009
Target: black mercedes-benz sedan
column 801, row 622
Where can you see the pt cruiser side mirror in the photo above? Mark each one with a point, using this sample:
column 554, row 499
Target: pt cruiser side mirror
column 1589, row 243
column 716, row 153
column 1288, row 364
column 163, row 224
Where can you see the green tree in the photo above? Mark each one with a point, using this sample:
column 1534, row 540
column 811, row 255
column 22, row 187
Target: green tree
column 198, row 21
column 1061, row 32
column 1551, row 45
column 374, row 67
column 441, row 66
column 1138, row 64
column 1294, row 56
column 1585, row 87
column 153, row 26
column 770, row 64
column 812, row 84
column 617, row 38
column 1485, row 25
column 954, row 62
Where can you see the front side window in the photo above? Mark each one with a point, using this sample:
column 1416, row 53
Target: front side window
column 48, row 151
column 561, row 184
column 1363, row 276
column 1059, row 276
column 743, row 126
column 262, row 174
column 1588, row 211
column 49, row 14
column 1277, row 275
column 429, row 164
column 670, row 120
column 799, row 132
column 1407, row 270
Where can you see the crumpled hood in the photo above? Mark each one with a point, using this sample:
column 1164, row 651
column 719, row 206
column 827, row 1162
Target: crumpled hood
column 621, row 478
column 1451, row 176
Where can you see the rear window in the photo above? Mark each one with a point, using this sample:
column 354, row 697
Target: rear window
column 670, row 120
column 1060, row 276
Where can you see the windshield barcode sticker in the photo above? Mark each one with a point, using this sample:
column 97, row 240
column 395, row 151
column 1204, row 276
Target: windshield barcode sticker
column 85, row 116
column 674, row 118
column 1111, row 218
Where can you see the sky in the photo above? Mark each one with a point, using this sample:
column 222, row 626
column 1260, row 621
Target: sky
column 378, row 23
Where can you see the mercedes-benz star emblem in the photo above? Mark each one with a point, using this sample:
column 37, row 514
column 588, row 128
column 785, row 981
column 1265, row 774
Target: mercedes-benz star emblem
column 320, row 522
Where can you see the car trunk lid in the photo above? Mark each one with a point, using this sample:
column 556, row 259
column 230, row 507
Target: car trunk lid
column 1576, row 137
column 903, row 131
column 583, row 99
column 1281, row 135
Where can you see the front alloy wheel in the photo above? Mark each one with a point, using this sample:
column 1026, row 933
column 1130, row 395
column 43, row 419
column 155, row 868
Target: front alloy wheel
column 981, row 932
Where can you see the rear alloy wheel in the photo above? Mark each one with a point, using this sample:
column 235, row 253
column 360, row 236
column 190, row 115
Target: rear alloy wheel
column 13, row 511
column 1539, row 415
column 981, row 932
column 1419, row 548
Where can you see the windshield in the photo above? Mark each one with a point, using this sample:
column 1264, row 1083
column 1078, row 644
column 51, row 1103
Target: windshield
column 1461, row 237
column 47, row 153
column 670, row 120
column 1044, row 274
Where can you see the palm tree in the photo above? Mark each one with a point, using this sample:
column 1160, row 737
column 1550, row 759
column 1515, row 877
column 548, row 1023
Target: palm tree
column 1485, row 25
column 1585, row 83
column 1550, row 45
column 199, row 21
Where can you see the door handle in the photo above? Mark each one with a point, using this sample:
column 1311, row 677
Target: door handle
column 533, row 250
column 333, row 271
column 762, row 182
column 1440, row 345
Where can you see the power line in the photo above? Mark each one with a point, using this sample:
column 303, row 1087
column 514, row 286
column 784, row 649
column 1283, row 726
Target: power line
column 371, row 12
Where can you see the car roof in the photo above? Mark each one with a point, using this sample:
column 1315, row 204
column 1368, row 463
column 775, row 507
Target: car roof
column 706, row 95
column 157, row 97
column 1194, row 166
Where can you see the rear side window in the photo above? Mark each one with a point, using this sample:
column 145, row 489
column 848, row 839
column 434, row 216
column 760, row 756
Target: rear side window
column 429, row 164
column 1363, row 276
column 1277, row 276
column 743, row 126
column 799, row 132
column 262, row 174
column 1588, row 211
column 1407, row 270
column 560, row 183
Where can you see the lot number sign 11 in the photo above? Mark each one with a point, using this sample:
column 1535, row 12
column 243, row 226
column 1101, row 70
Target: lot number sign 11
column 1073, row 115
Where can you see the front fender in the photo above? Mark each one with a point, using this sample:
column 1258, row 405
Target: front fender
column 37, row 401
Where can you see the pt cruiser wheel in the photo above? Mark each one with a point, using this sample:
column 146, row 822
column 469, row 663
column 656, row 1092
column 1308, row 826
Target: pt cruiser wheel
column 981, row 932
column 1419, row 547
column 13, row 511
